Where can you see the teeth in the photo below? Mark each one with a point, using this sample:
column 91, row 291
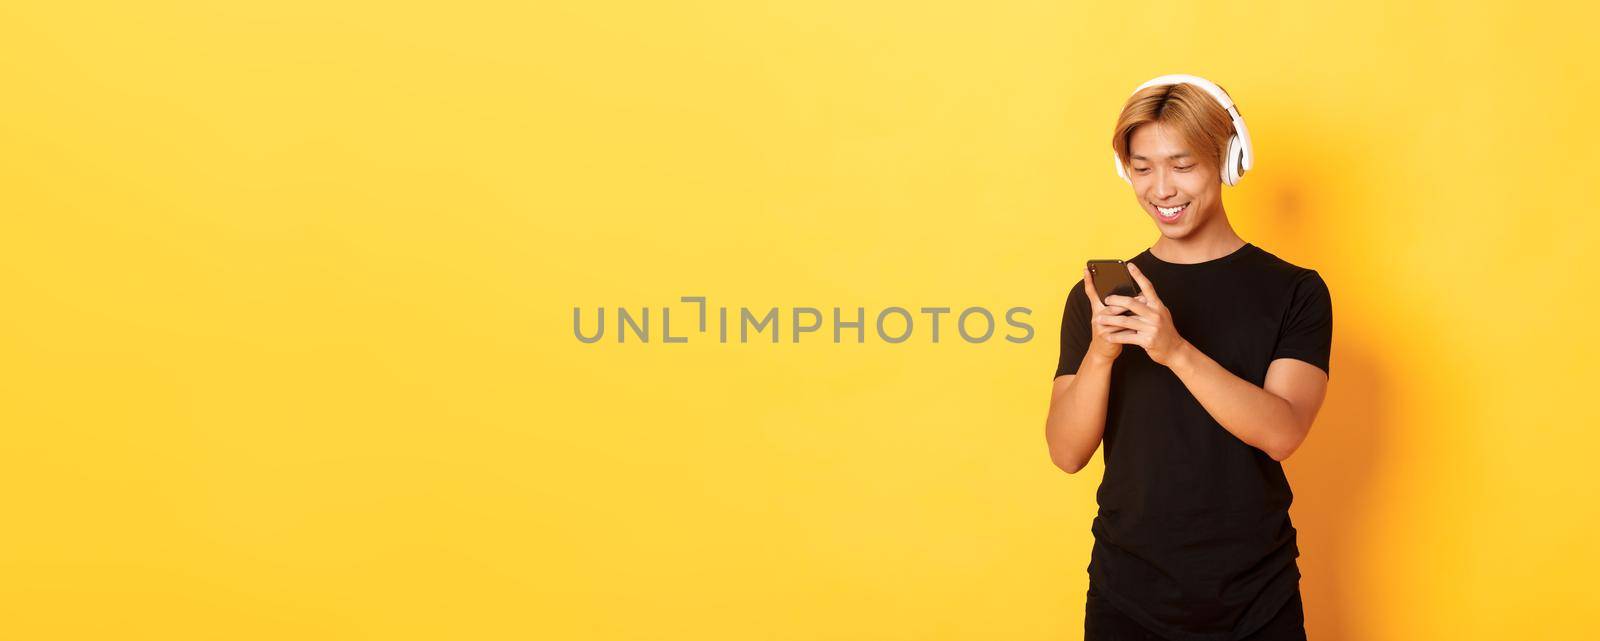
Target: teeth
column 1168, row 211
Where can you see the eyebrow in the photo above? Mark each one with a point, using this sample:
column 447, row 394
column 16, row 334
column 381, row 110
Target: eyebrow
column 1173, row 156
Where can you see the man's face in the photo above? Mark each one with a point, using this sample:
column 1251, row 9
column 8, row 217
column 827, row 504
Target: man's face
column 1167, row 175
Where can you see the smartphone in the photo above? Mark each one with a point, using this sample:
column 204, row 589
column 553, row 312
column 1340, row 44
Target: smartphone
column 1112, row 277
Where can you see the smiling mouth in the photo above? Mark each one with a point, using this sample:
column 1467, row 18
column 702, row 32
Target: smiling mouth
column 1170, row 213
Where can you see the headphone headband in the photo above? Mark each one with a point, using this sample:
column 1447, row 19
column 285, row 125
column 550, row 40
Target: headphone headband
column 1197, row 81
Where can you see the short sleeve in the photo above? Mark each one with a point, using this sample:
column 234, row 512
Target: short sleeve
column 1307, row 332
column 1074, row 331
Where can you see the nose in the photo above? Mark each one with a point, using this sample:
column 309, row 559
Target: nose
column 1162, row 186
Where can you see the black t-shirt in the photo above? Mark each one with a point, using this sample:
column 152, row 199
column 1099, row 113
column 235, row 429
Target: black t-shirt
column 1193, row 537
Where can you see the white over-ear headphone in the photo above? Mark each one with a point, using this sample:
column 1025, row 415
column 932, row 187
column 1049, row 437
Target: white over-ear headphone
column 1238, row 158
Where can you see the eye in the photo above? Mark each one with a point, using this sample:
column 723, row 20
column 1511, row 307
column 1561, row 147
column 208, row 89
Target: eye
column 1141, row 170
column 1186, row 168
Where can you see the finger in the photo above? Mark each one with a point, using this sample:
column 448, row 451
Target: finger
column 1142, row 309
column 1094, row 296
column 1127, row 322
column 1128, row 302
column 1107, row 334
column 1145, row 288
column 1114, row 310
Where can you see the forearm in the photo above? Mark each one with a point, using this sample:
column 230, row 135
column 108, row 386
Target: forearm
column 1260, row 418
column 1077, row 417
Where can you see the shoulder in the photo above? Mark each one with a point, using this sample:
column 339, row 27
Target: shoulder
column 1294, row 276
column 1271, row 261
column 1077, row 301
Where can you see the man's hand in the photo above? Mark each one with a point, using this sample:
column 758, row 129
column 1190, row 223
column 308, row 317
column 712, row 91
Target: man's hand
column 1151, row 325
column 1100, row 342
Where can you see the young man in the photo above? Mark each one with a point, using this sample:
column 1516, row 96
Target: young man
column 1214, row 378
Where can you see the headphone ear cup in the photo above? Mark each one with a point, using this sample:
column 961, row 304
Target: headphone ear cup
column 1232, row 159
column 1121, row 173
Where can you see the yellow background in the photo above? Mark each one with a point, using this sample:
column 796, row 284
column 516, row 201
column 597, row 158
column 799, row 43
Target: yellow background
column 288, row 348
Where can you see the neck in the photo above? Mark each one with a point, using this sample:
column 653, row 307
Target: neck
column 1212, row 241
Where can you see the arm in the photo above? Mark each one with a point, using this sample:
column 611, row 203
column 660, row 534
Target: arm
column 1274, row 419
column 1077, row 417
column 1076, row 421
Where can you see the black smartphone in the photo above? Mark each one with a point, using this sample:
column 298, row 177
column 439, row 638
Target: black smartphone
column 1112, row 277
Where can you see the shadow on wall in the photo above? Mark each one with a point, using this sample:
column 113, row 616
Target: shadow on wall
column 1332, row 473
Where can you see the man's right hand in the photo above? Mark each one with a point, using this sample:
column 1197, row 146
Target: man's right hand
column 1099, row 345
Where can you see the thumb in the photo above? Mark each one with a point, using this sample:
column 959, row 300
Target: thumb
column 1088, row 288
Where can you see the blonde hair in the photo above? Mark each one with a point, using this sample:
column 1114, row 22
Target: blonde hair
column 1188, row 110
